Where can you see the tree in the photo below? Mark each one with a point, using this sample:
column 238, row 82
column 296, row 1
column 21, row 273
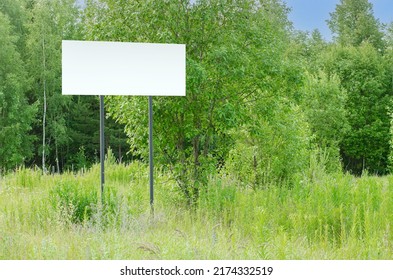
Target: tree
column 50, row 23
column 325, row 109
column 15, row 10
column 16, row 116
column 388, row 57
column 83, row 131
column 230, row 54
column 389, row 36
column 307, row 48
column 366, row 77
column 272, row 144
column 353, row 23
column 273, row 149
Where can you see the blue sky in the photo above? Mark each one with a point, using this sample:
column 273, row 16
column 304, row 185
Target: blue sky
column 308, row 15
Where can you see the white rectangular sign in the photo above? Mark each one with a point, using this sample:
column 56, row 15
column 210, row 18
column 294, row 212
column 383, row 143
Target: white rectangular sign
column 116, row 68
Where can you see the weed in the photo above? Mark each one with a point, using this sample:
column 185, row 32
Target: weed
column 61, row 217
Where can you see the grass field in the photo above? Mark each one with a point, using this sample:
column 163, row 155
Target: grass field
column 60, row 217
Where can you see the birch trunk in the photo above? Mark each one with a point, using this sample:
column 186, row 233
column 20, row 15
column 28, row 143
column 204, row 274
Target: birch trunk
column 44, row 114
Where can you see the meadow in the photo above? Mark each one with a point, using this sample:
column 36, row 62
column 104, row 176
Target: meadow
column 61, row 217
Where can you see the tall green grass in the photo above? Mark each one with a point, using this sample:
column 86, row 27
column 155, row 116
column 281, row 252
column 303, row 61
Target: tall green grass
column 61, row 217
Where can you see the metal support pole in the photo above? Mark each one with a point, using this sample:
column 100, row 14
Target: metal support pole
column 102, row 145
column 151, row 164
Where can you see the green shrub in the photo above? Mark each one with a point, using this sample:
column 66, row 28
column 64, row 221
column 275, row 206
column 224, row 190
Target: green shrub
column 274, row 150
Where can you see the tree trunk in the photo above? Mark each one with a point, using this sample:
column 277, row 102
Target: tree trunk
column 44, row 114
column 57, row 157
column 120, row 156
column 195, row 147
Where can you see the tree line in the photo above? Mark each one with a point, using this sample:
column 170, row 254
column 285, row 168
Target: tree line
column 265, row 102
column 39, row 126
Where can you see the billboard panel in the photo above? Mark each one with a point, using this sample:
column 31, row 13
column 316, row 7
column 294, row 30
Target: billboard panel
column 117, row 68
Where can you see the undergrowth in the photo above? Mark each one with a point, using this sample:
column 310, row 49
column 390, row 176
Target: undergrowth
column 319, row 217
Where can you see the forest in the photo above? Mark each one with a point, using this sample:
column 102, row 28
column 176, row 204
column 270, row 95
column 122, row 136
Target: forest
column 270, row 112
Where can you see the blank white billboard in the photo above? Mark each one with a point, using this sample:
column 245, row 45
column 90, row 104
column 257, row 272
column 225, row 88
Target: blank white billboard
column 116, row 68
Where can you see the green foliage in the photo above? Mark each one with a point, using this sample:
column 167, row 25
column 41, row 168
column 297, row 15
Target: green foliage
column 16, row 115
column 16, row 12
column 307, row 48
column 365, row 77
column 389, row 37
column 389, row 58
column 354, row 23
column 324, row 107
column 274, row 150
column 390, row 159
column 264, row 102
column 79, row 160
column 230, row 49
column 50, row 22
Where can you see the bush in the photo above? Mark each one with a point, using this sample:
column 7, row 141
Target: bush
column 274, row 150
